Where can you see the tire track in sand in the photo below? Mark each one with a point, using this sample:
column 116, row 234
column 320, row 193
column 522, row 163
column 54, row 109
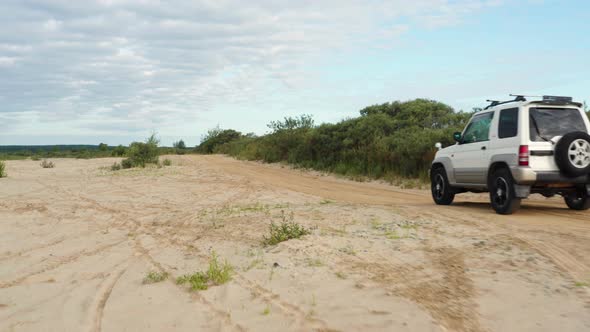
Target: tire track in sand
column 104, row 294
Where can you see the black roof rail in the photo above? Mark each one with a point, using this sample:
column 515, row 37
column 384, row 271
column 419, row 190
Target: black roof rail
column 497, row 102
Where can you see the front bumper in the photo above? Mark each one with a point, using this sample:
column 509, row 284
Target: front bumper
column 526, row 176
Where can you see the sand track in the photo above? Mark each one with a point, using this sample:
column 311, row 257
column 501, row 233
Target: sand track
column 77, row 240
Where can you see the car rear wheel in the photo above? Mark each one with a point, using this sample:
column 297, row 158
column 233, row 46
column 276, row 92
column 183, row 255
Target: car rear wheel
column 578, row 201
column 440, row 188
column 502, row 194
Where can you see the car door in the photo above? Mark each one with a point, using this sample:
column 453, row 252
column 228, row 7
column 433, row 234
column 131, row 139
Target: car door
column 470, row 160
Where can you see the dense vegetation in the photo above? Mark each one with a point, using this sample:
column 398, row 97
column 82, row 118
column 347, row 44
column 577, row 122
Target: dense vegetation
column 38, row 152
column 388, row 140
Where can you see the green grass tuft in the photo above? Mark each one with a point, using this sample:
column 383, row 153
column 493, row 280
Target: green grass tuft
column 155, row 276
column 167, row 162
column 47, row 164
column 217, row 274
column 2, row 169
column 286, row 230
column 266, row 311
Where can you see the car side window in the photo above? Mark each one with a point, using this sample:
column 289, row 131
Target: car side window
column 508, row 126
column 478, row 130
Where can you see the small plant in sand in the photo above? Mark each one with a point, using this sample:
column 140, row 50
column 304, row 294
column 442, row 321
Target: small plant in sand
column 115, row 167
column 167, row 162
column 266, row 311
column 155, row 276
column 47, row 164
column 286, row 230
column 217, row 274
column 2, row 169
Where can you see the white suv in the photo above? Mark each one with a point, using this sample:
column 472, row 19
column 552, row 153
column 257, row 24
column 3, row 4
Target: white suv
column 515, row 148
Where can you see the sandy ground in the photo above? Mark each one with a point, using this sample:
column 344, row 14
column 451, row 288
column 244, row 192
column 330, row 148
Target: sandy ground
column 77, row 240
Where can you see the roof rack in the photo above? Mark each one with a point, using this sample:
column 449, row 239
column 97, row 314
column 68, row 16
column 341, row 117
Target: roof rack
column 558, row 100
column 548, row 100
column 497, row 102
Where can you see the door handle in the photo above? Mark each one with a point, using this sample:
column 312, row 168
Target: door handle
column 483, row 147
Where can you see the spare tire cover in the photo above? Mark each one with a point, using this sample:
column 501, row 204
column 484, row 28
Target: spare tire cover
column 572, row 154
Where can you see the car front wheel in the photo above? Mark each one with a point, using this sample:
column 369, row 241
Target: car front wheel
column 502, row 194
column 439, row 185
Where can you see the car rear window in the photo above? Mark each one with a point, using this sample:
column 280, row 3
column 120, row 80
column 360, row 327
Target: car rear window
column 546, row 123
column 508, row 126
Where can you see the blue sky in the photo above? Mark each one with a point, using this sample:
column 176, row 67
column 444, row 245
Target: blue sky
column 115, row 70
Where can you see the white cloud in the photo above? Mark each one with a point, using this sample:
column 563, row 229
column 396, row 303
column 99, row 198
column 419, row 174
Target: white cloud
column 162, row 63
column 7, row 61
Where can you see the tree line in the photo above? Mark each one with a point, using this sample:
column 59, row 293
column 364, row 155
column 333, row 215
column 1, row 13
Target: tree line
column 388, row 140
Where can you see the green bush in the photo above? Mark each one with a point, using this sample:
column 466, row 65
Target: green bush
column 119, row 151
column 47, row 164
column 217, row 137
column 115, row 167
column 386, row 141
column 167, row 162
column 2, row 169
column 140, row 154
column 126, row 163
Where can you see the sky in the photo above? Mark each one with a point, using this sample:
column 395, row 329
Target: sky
column 114, row 71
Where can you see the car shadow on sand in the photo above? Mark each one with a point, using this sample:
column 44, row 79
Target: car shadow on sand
column 525, row 207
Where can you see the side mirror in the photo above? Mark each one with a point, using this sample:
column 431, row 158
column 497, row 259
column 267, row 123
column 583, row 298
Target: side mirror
column 457, row 137
column 438, row 146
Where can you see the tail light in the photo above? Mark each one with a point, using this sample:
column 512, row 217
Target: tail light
column 523, row 155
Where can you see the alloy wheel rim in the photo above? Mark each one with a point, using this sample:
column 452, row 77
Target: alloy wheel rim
column 439, row 186
column 501, row 191
column 579, row 153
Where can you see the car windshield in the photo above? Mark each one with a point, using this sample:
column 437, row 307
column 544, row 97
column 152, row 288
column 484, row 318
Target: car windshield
column 546, row 123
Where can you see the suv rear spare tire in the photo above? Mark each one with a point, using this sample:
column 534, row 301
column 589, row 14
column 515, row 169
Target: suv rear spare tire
column 572, row 154
column 502, row 193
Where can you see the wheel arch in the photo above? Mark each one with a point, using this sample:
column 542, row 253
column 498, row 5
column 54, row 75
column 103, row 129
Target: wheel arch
column 445, row 163
column 496, row 166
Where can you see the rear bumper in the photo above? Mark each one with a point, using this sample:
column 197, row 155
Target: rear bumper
column 526, row 176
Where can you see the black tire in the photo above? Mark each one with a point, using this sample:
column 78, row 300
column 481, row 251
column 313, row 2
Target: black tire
column 442, row 193
column 572, row 154
column 578, row 200
column 502, row 194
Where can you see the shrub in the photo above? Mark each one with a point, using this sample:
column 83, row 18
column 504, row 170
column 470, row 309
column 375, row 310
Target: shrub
column 387, row 140
column 217, row 137
column 126, row 163
column 286, row 230
column 167, row 162
column 142, row 153
column 179, row 145
column 2, row 169
column 115, row 167
column 217, row 274
column 119, row 151
column 155, row 276
column 47, row 164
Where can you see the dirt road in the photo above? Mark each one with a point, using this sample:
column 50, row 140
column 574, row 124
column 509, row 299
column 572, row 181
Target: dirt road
column 77, row 241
